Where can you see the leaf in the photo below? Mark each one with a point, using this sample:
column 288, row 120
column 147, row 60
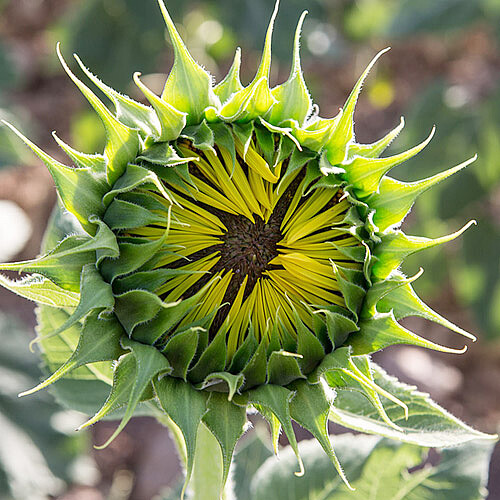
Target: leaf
column 186, row 406
column 81, row 189
column 122, row 142
column 277, row 399
column 341, row 131
column 283, row 368
column 149, row 363
column 129, row 112
column 35, row 458
column 180, row 351
column 382, row 330
column 379, row 469
column 428, row 424
column 375, row 149
column 189, row 86
column 171, row 120
column 231, row 83
column 213, row 359
column 293, row 101
column 365, row 174
column 63, row 264
column 451, row 478
column 394, row 198
column 226, row 422
column 396, row 246
column 99, row 341
column 118, row 397
column 404, row 302
column 232, row 383
column 42, row 291
column 275, row 479
column 251, row 453
column 310, row 408
column 95, row 294
column 256, row 99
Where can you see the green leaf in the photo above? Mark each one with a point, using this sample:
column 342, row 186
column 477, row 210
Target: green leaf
column 122, row 142
column 394, row 198
column 189, row 86
column 95, row 295
column 81, row 189
column 132, row 257
column 336, row 360
column 338, row 324
column 293, row 101
column 256, row 99
column 449, row 479
column 171, row 120
column 213, row 359
column 226, row 422
column 365, row 174
column 36, row 459
column 231, row 83
column 63, row 265
column 208, row 467
column 180, row 351
column 428, row 424
column 349, row 281
column 133, row 177
column 232, row 383
column 162, row 153
column 99, row 341
column 396, row 246
column 277, row 399
column 375, row 149
column 310, row 408
column 200, row 135
column 131, row 113
column 118, row 397
column 95, row 163
column 186, row 406
column 125, row 215
column 42, row 291
column 149, row 363
column 382, row 288
column 341, row 131
column 308, row 346
column 283, row 368
column 57, row 350
column 251, row 453
column 382, row 330
column 461, row 472
column 404, row 302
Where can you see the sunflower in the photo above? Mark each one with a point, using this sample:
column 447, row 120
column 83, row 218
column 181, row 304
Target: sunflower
column 236, row 250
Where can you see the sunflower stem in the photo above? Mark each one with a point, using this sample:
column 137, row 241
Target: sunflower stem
column 206, row 477
column 206, row 480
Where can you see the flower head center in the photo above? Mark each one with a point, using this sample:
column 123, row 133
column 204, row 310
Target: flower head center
column 248, row 248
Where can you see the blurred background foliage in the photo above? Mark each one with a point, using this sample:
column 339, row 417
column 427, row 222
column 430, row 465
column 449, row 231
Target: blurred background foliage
column 444, row 70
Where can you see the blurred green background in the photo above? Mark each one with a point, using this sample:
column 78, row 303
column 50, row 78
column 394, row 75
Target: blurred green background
column 443, row 69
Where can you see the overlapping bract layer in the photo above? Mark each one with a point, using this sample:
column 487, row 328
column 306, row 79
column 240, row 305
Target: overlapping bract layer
column 330, row 296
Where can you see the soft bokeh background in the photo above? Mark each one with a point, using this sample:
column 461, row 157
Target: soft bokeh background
column 443, row 69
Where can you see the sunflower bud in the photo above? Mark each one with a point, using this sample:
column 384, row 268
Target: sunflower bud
column 238, row 251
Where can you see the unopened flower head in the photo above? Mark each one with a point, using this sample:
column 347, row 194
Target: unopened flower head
column 237, row 250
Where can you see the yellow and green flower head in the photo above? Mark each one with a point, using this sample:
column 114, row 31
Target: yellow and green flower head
column 236, row 250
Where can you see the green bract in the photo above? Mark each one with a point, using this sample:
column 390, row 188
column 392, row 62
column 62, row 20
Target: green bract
column 237, row 251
